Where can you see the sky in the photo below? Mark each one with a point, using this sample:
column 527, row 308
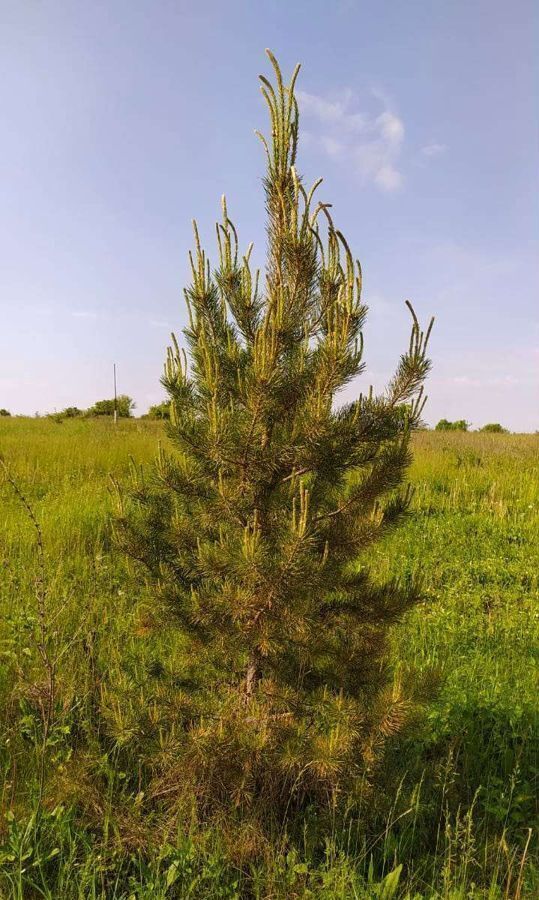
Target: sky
column 124, row 119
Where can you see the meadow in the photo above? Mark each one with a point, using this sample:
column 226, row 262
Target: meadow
column 86, row 671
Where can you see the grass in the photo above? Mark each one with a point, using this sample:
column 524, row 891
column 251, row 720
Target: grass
column 457, row 815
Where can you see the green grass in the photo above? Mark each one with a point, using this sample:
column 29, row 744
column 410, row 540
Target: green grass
column 459, row 797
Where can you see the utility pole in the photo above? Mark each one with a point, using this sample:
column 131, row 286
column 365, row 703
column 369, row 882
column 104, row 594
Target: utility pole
column 115, row 398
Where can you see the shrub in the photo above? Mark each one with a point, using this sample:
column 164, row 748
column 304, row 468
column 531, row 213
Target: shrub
column 494, row 428
column 5, row 412
column 459, row 425
column 71, row 412
column 159, row 411
column 125, row 406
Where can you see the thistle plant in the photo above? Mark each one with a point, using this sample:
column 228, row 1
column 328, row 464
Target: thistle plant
column 256, row 523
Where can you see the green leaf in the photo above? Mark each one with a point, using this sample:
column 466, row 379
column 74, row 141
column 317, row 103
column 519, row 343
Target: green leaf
column 172, row 873
column 388, row 887
column 301, row 869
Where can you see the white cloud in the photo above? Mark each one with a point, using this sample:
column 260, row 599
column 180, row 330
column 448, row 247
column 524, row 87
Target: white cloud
column 388, row 178
column 332, row 112
column 433, row 149
column 370, row 144
column 391, row 127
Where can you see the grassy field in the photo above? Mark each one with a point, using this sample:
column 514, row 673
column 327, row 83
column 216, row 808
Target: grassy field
column 85, row 674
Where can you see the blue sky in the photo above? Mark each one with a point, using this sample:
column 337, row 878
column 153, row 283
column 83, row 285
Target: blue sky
column 122, row 120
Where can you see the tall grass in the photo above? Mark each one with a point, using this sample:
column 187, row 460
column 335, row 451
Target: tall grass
column 456, row 814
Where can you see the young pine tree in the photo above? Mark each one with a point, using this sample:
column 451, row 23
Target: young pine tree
column 256, row 523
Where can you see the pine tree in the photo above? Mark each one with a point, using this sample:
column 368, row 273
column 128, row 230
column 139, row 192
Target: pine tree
column 256, row 523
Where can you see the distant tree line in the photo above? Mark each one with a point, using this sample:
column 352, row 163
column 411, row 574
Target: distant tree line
column 125, row 406
column 463, row 425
